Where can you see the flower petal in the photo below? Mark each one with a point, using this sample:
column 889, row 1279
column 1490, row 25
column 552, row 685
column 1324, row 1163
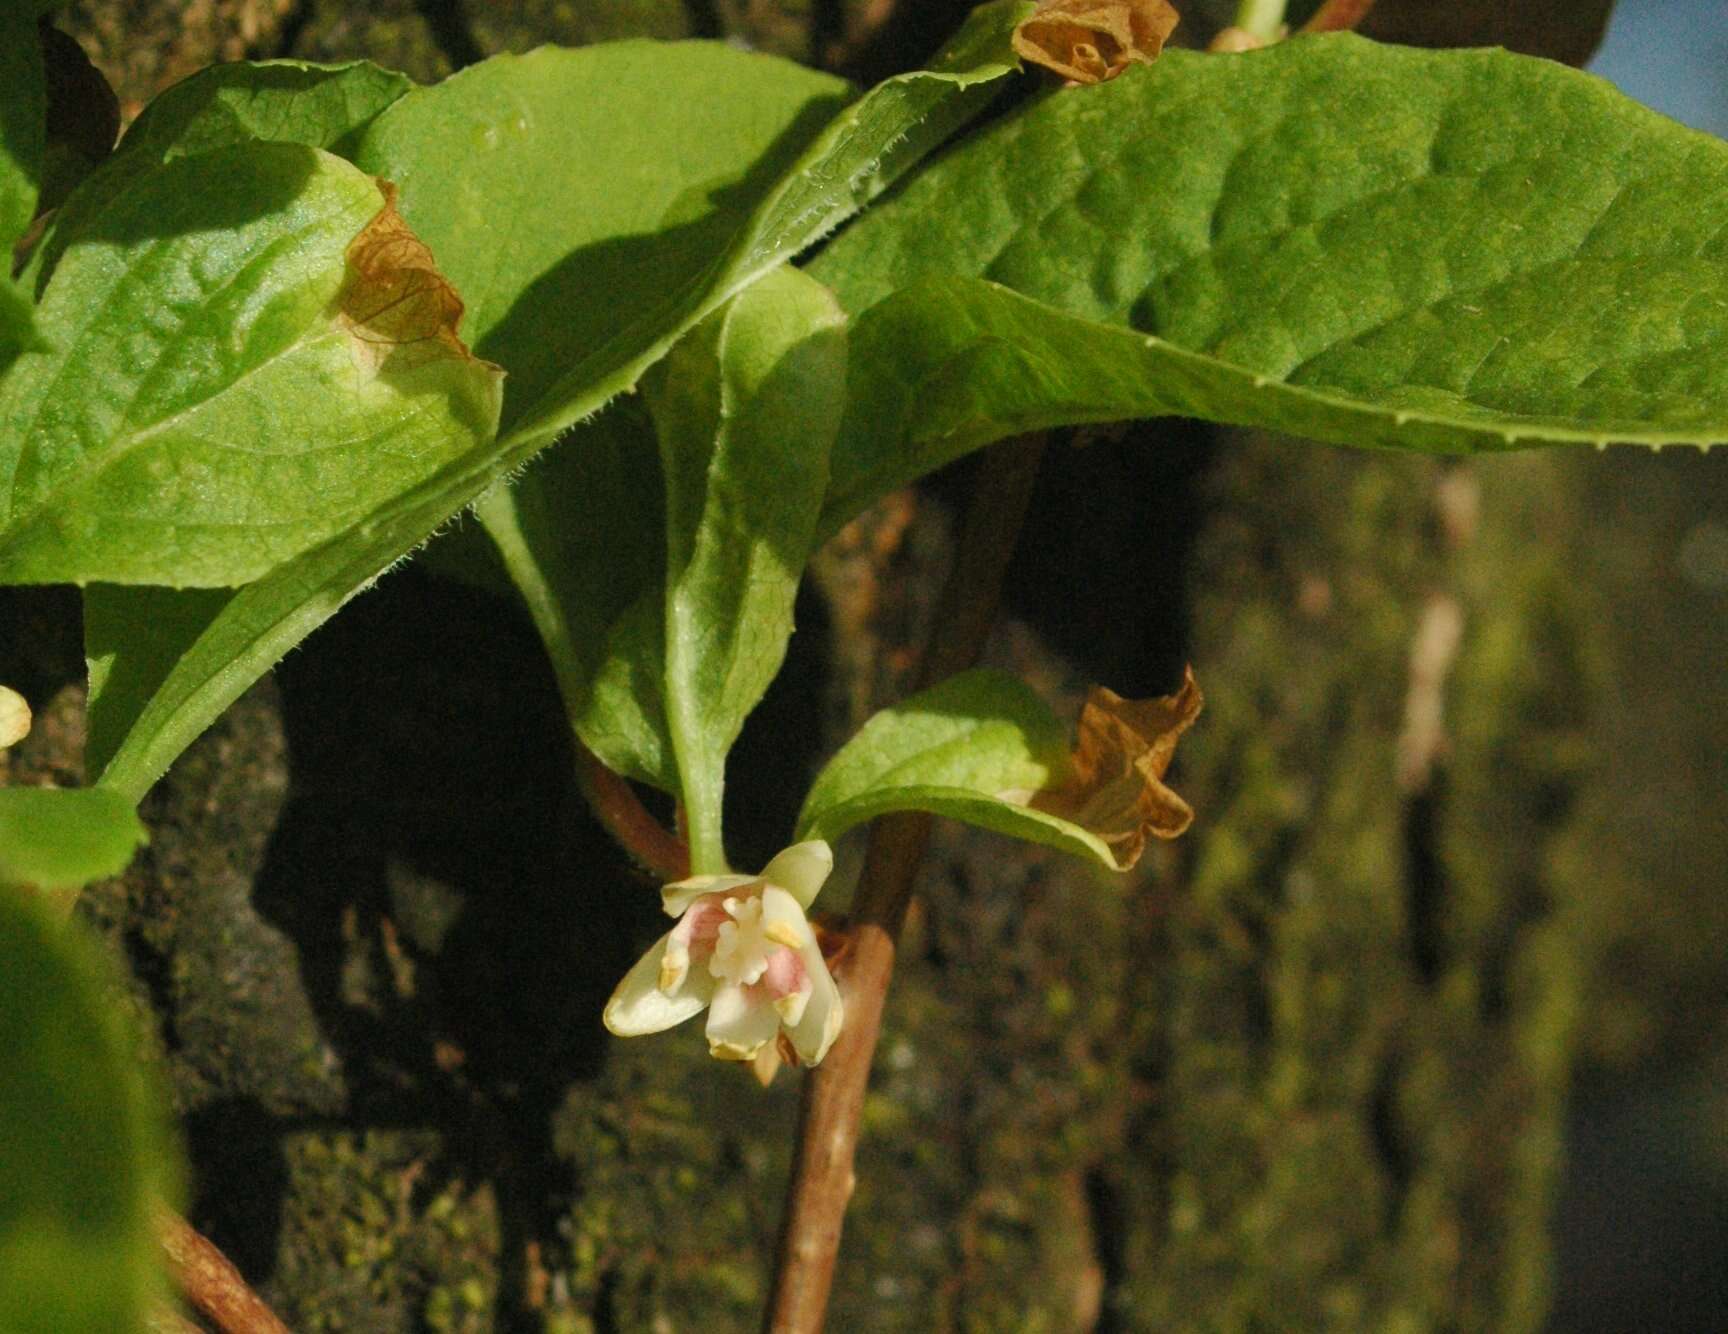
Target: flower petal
column 680, row 894
column 819, row 1024
column 638, row 1005
column 740, row 1025
column 801, row 870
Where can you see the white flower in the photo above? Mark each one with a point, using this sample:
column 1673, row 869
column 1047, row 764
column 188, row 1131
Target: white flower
column 744, row 950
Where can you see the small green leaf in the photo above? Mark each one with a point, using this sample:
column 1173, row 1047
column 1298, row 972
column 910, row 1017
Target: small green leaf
column 63, row 838
column 1458, row 251
column 772, row 217
column 84, row 1144
column 973, row 748
column 220, row 400
column 746, row 409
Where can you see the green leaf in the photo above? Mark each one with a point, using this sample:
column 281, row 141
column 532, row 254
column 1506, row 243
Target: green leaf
column 743, row 411
column 577, row 193
column 220, row 399
column 582, row 537
column 18, row 331
column 746, row 409
column 83, row 1140
column 277, row 101
column 1438, row 251
column 973, row 748
column 133, row 639
column 772, row 217
column 63, row 838
column 668, row 155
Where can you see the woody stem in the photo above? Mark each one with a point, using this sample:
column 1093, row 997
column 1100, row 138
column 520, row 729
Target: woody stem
column 209, row 1280
column 621, row 812
column 833, row 1095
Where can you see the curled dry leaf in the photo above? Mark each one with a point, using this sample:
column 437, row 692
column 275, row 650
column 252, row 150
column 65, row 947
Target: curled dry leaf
column 1116, row 786
column 1089, row 41
column 396, row 305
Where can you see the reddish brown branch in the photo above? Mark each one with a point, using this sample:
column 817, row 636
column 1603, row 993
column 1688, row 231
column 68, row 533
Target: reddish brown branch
column 210, row 1281
column 1338, row 15
column 617, row 807
column 833, row 1097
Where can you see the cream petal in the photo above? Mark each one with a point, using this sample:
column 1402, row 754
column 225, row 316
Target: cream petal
column 739, row 1026
column 783, row 919
column 638, row 1005
column 679, row 895
column 801, row 870
column 819, row 1025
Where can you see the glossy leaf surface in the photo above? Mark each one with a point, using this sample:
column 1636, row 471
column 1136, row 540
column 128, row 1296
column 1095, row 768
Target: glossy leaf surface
column 973, row 748
column 222, row 395
column 1439, row 251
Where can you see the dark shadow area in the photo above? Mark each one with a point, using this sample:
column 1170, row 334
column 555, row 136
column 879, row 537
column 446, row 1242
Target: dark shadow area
column 448, row 21
column 1425, row 882
column 1108, row 1215
column 456, row 918
column 239, row 1179
column 780, row 748
column 1641, row 1223
column 288, row 34
column 1102, row 570
column 41, row 647
column 177, row 197
column 454, row 913
column 704, row 19
column 910, row 36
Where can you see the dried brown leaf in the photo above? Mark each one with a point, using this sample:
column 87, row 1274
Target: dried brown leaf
column 1089, row 41
column 396, row 305
column 1115, row 788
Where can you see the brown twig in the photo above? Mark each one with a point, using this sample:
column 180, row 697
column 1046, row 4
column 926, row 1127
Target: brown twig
column 833, row 1096
column 1338, row 15
column 210, row 1281
column 617, row 807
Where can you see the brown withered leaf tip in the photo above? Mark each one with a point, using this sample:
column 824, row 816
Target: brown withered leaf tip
column 1116, row 787
column 1089, row 41
column 396, row 304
